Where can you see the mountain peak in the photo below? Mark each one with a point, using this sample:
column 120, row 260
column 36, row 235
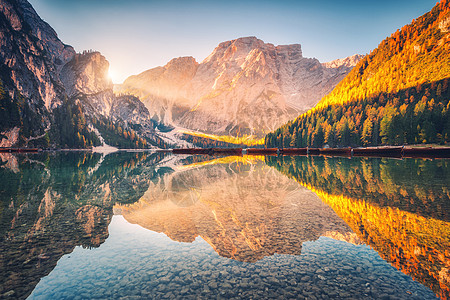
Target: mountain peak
column 240, row 79
column 242, row 41
column 181, row 62
column 350, row 61
column 234, row 49
column 239, row 49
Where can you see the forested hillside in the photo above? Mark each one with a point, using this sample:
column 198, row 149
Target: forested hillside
column 411, row 116
column 397, row 94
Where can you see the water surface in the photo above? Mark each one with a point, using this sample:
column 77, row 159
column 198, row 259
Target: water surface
column 83, row 225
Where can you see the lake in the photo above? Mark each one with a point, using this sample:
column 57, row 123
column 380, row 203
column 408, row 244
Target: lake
column 80, row 225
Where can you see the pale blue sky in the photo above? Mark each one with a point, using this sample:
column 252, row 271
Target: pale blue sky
column 136, row 35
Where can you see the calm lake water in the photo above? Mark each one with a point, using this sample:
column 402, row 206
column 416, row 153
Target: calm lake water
column 80, row 225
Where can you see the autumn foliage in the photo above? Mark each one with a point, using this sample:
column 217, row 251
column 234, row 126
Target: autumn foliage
column 399, row 208
column 418, row 53
column 397, row 94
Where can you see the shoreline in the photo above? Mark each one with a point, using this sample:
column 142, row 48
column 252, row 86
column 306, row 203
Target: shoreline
column 381, row 151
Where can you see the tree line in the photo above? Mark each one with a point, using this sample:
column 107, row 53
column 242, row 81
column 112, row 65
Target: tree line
column 393, row 205
column 118, row 134
column 203, row 142
column 397, row 94
column 411, row 116
column 418, row 53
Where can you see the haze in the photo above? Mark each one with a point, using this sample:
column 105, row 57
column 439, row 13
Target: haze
column 137, row 35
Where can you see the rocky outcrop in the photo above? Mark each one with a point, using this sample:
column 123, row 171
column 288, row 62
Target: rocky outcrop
column 32, row 53
column 42, row 80
column 86, row 79
column 31, row 57
column 9, row 137
column 444, row 25
column 163, row 90
column 86, row 76
column 245, row 86
column 348, row 62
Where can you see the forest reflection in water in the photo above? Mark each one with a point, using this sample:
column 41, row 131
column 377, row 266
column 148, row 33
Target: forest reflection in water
column 245, row 208
column 401, row 208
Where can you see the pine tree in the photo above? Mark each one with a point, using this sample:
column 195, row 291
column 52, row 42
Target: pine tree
column 367, row 132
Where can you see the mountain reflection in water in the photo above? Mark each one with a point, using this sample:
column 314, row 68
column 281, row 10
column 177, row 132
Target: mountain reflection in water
column 52, row 203
column 245, row 208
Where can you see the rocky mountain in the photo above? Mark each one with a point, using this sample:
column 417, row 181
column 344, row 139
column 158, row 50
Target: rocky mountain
column 397, row 94
column 245, row 86
column 53, row 96
column 31, row 56
column 348, row 62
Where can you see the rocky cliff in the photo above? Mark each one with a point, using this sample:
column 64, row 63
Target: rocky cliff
column 86, row 81
column 31, row 57
column 32, row 53
column 245, row 86
column 53, row 96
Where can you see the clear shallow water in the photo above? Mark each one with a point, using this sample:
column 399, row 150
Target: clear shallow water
column 138, row 262
column 133, row 225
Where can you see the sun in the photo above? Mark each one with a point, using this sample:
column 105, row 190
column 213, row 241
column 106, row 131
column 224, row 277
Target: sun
column 114, row 75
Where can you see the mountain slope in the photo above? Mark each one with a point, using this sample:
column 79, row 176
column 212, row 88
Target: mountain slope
column 31, row 56
column 416, row 54
column 52, row 96
column 245, row 86
column 399, row 93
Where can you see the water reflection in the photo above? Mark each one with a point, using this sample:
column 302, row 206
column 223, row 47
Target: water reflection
column 55, row 207
column 51, row 203
column 141, row 264
column 399, row 207
column 244, row 209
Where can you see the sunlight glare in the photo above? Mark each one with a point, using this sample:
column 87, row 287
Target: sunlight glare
column 114, row 75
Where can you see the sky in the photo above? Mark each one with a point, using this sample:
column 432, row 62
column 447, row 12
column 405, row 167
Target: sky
column 137, row 35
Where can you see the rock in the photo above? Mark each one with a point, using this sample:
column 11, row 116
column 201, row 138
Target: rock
column 213, row 285
column 444, row 25
column 226, row 286
column 9, row 293
column 305, row 278
column 240, row 79
column 348, row 62
column 45, row 71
